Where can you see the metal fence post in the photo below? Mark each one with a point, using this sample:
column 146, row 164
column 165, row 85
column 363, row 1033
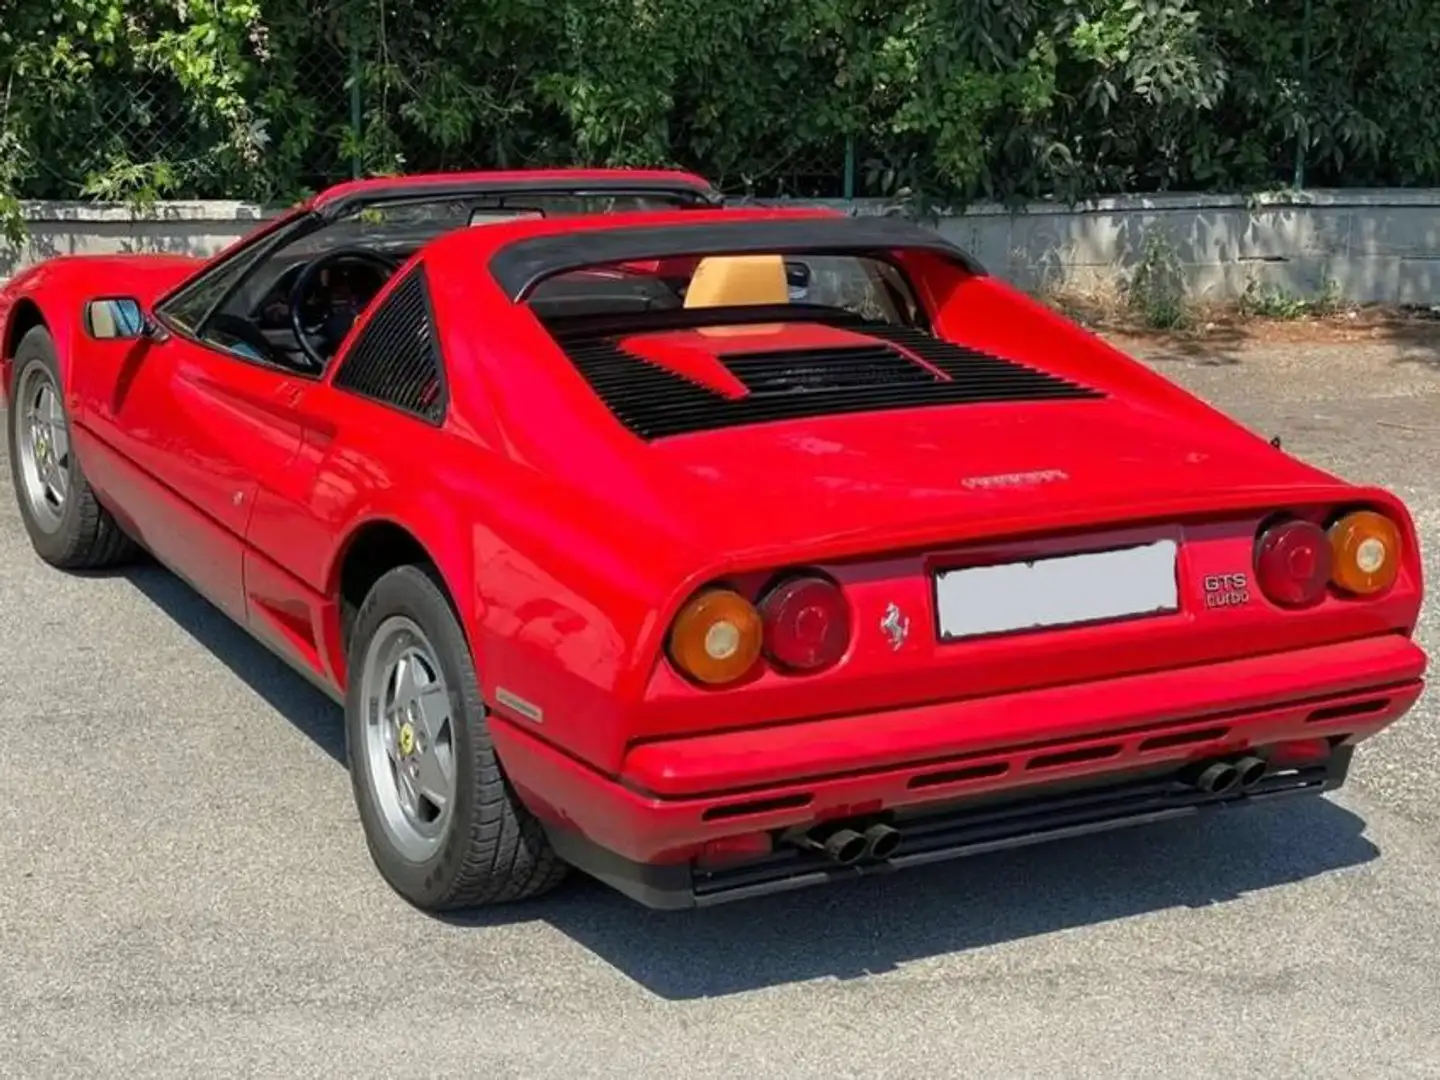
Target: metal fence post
column 357, row 117
column 849, row 167
column 1302, row 132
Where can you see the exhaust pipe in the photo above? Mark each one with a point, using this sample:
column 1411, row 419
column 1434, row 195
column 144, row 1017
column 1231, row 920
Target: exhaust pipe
column 881, row 841
column 1217, row 778
column 844, row 846
column 1250, row 771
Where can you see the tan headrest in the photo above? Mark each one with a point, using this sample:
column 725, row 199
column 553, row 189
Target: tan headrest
column 736, row 280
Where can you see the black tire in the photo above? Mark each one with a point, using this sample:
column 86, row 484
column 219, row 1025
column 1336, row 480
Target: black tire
column 493, row 850
column 86, row 536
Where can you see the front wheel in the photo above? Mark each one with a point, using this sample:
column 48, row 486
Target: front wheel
column 442, row 823
column 67, row 526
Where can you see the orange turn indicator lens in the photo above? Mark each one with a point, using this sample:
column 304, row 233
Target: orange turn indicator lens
column 1366, row 550
column 716, row 637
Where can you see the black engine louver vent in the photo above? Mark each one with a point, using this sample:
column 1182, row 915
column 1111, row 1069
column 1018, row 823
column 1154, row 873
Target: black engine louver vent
column 395, row 360
column 799, row 383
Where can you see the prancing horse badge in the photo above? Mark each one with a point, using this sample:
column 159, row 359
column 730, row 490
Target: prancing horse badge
column 896, row 626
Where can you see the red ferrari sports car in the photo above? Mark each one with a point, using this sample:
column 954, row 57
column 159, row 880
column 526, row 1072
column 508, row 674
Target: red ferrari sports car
column 711, row 551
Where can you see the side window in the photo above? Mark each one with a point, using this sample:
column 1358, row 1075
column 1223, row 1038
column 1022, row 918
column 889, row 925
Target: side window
column 394, row 359
column 188, row 308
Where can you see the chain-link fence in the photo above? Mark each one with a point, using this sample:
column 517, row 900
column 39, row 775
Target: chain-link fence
column 324, row 104
column 185, row 104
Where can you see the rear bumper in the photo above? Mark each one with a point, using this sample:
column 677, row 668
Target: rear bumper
column 936, row 834
column 676, row 795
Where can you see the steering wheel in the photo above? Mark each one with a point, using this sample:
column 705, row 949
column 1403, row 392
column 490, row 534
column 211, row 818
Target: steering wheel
column 305, row 281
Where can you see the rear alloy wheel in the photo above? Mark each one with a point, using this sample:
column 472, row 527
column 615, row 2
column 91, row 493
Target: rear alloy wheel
column 443, row 825
column 66, row 523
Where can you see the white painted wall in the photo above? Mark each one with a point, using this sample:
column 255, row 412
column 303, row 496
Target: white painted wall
column 1374, row 246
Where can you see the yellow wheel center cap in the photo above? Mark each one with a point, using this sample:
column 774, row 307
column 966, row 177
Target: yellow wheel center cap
column 407, row 739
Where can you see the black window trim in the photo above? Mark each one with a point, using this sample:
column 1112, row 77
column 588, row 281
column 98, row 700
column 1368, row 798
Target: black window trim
column 420, row 273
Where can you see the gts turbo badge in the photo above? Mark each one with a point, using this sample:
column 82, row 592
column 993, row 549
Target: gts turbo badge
column 1226, row 590
column 896, row 626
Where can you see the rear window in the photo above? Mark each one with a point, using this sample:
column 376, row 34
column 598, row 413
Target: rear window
column 870, row 288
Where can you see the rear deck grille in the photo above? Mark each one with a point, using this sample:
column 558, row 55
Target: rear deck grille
column 866, row 367
column 649, row 400
column 800, row 383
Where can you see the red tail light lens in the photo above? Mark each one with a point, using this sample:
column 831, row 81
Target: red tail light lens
column 807, row 624
column 1292, row 563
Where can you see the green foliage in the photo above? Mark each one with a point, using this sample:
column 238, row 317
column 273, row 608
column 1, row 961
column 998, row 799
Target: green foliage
column 1272, row 302
column 943, row 100
column 1157, row 285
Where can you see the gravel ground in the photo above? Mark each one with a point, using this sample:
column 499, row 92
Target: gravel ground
column 186, row 891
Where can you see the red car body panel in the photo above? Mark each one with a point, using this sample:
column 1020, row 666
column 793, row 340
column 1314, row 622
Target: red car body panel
column 673, row 798
column 569, row 545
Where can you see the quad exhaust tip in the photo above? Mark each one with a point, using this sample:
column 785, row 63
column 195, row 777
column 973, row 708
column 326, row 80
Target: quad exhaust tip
column 846, row 846
column 1250, row 770
column 1218, row 778
column 1223, row 777
column 881, row 841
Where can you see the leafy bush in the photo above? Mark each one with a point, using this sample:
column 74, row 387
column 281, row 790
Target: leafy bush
column 927, row 99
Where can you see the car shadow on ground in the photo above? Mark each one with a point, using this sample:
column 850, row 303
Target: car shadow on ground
column 859, row 928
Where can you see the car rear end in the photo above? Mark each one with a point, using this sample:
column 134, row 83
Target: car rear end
column 961, row 601
column 857, row 715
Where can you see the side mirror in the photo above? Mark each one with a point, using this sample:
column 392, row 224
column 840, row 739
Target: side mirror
column 119, row 318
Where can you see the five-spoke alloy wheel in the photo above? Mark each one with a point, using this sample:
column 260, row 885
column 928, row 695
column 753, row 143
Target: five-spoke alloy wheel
column 443, row 825
column 409, row 737
column 44, row 446
column 66, row 523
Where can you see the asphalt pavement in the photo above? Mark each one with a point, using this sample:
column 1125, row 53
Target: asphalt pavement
column 184, row 889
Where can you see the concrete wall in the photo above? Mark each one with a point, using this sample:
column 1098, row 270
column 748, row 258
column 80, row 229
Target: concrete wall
column 1374, row 246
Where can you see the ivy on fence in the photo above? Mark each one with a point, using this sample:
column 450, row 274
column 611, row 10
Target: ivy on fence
column 920, row 99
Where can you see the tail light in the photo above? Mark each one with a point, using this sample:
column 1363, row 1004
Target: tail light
column 716, row 637
column 1293, row 561
column 801, row 626
column 1365, row 552
column 807, row 624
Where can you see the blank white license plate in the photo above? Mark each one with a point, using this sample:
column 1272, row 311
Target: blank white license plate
column 1061, row 591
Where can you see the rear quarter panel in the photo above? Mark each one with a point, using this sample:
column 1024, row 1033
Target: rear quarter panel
column 558, row 610
column 571, row 580
column 557, row 592
column 987, row 313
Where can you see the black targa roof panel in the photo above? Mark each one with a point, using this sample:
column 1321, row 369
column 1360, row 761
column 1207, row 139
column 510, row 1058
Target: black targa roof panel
column 522, row 264
column 483, row 188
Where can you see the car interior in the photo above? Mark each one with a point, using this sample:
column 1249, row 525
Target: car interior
column 715, row 289
column 293, row 304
